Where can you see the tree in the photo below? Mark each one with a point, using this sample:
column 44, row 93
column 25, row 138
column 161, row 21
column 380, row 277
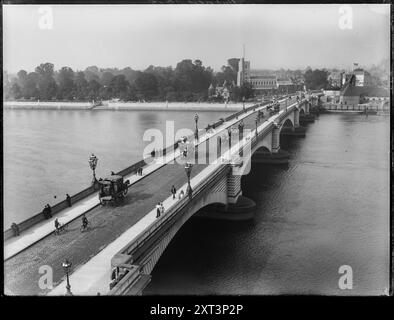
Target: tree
column 21, row 81
column 15, row 91
column 46, row 83
column 316, row 79
column 66, row 87
column 118, row 87
column 227, row 74
column 81, row 86
column 146, row 85
column 246, row 91
column 234, row 64
column 106, row 78
column 94, row 89
column 30, row 90
column 92, row 73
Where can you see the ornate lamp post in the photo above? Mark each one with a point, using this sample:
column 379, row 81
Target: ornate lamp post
column 256, row 121
column 66, row 267
column 196, row 121
column 241, row 133
column 229, row 137
column 188, row 169
column 93, row 164
column 241, row 129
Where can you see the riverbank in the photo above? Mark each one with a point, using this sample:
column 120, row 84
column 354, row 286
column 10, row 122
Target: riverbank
column 47, row 105
column 125, row 106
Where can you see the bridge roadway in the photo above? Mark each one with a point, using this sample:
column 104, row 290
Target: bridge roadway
column 108, row 223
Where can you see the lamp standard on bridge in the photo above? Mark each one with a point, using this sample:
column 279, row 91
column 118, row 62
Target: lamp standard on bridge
column 66, row 267
column 188, row 169
column 256, row 121
column 196, row 121
column 241, row 133
column 93, row 164
column 229, row 137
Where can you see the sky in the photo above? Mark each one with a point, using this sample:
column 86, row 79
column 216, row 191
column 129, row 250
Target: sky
column 136, row 36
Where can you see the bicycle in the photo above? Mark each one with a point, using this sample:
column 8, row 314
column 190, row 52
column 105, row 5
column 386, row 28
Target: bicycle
column 84, row 228
column 61, row 229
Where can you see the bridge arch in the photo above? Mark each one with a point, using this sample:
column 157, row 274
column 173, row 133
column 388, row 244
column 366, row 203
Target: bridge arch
column 216, row 196
column 263, row 149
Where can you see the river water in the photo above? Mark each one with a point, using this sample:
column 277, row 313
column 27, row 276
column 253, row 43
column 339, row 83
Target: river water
column 329, row 207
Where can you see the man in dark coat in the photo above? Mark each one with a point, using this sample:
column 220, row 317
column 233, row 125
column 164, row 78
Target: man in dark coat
column 173, row 191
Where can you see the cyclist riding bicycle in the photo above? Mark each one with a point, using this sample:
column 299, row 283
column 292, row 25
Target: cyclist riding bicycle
column 85, row 222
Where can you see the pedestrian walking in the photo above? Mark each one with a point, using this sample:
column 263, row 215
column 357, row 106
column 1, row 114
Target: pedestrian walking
column 173, row 191
column 49, row 210
column 162, row 208
column 15, row 229
column 68, row 199
column 158, row 207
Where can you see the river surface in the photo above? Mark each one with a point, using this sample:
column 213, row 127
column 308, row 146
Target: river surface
column 329, row 207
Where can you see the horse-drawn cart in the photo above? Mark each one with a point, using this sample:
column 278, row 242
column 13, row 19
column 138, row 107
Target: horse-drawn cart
column 113, row 189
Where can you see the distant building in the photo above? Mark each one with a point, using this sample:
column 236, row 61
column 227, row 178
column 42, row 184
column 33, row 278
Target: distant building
column 262, row 82
column 335, row 79
column 243, row 72
column 223, row 91
column 363, row 78
column 353, row 94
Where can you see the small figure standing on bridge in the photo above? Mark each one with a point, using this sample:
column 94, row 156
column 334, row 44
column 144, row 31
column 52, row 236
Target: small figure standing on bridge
column 15, row 229
column 181, row 194
column 184, row 152
column 47, row 211
column 57, row 225
column 68, row 199
column 173, row 191
column 158, row 210
column 162, row 208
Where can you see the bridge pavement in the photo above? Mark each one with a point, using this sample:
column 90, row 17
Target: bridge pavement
column 108, row 223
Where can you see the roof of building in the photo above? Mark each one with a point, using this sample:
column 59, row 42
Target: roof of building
column 366, row 91
column 261, row 74
column 284, row 81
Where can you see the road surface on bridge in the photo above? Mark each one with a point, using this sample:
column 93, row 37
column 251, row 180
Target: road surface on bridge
column 108, row 223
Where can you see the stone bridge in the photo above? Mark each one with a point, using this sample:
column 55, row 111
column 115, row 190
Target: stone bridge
column 216, row 191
